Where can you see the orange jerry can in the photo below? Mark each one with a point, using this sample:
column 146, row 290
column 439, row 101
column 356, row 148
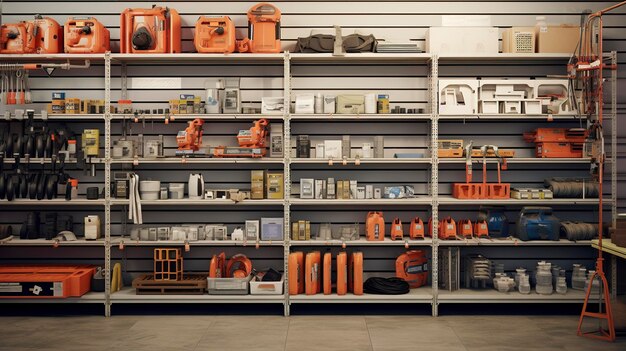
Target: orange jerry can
column 342, row 273
column 49, row 36
column 296, row 273
column 263, row 30
column 327, row 273
column 18, row 38
column 86, row 36
column 375, row 226
column 396, row 229
column 465, row 228
column 412, row 266
column 214, row 35
column 312, row 273
column 150, row 31
column 355, row 273
column 417, row 229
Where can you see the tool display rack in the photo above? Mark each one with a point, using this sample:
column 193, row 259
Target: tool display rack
column 426, row 295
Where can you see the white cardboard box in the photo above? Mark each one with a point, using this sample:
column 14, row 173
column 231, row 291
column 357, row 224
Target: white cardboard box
column 462, row 40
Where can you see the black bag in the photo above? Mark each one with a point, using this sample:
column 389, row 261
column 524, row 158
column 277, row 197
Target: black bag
column 324, row 43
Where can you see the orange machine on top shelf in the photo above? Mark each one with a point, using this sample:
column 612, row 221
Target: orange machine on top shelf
column 86, row 36
column 558, row 142
column 43, row 35
column 263, row 30
column 214, row 35
column 150, row 31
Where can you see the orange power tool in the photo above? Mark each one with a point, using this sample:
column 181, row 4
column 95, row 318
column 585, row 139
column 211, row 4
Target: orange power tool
column 86, row 36
column 263, row 30
column 190, row 139
column 151, row 31
column 214, row 35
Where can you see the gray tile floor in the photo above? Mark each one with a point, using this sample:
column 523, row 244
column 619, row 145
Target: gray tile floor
column 301, row 333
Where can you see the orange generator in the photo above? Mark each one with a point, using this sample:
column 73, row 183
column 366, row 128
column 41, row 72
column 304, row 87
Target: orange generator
column 465, row 228
column 375, row 226
column 17, row 38
column 412, row 266
column 263, row 30
column 558, row 142
column 214, row 35
column 150, row 31
column 43, row 35
column 327, row 273
column 40, row 281
column 86, row 36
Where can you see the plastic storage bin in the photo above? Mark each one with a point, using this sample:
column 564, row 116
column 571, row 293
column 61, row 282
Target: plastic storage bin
column 229, row 286
column 267, row 288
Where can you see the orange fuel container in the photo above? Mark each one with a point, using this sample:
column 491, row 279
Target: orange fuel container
column 86, row 36
column 355, row 273
column 296, row 273
column 17, row 38
column 49, row 36
column 41, row 281
column 214, row 35
column 342, row 273
column 150, row 31
column 312, row 273
column 375, row 226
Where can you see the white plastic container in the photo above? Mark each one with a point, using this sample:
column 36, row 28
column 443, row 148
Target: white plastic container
column 267, row 288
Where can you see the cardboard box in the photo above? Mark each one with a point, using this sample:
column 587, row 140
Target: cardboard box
column 519, row 40
column 462, row 40
column 274, row 185
column 557, row 39
column 272, row 228
column 257, row 188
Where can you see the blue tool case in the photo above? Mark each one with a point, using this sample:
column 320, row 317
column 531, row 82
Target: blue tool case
column 537, row 223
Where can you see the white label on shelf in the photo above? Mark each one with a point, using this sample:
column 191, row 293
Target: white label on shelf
column 156, row 83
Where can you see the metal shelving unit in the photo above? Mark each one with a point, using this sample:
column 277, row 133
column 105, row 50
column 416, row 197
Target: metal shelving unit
column 431, row 295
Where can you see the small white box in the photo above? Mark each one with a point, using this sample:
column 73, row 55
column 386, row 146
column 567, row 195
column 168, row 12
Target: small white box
column 320, row 188
column 513, row 107
column 307, row 190
column 272, row 105
column 92, row 227
column 369, row 191
column 252, row 230
column 330, row 102
column 360, row 192
column 305, row 103
column 267, row 288
column 353, row 189
column 489, row 107
column 462, row 40
column 319, row 151
column 332, row 149
column 532, row 107
column 366, row 150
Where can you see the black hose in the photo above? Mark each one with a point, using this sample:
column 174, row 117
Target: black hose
column 386, row 286
column 578, row 230
column 573, row 188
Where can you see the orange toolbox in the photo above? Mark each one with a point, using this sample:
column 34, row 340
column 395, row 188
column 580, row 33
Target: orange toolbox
column 150, row 31
column 41, row 281
column 214, row 35
column 86, row 36
column 558, row 142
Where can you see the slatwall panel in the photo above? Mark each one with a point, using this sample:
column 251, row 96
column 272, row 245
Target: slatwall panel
column 406, row 85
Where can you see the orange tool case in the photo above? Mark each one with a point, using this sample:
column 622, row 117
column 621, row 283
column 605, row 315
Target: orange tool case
column 296, row 273
column 214, row 35
column 263, row 30
column 17, row 38
column 39, row 281
column 412, row 266
column 558, row 142
column 342, row 273
column 312, row 273
column 327, row 273
column 355, row 273
column 151, row 31
column 86, row 36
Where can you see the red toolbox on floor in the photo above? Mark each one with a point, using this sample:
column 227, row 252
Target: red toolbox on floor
column 45, row 281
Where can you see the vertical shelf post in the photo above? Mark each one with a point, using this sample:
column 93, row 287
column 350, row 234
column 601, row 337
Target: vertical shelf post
column 434, row 178
column 614, row 132
column 107, row 183
column 286, row 176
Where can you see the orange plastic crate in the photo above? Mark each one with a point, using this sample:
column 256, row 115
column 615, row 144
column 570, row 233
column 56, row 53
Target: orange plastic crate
column 41, row 281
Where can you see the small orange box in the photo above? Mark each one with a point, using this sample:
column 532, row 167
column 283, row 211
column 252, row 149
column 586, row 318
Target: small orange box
column 40, row 281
